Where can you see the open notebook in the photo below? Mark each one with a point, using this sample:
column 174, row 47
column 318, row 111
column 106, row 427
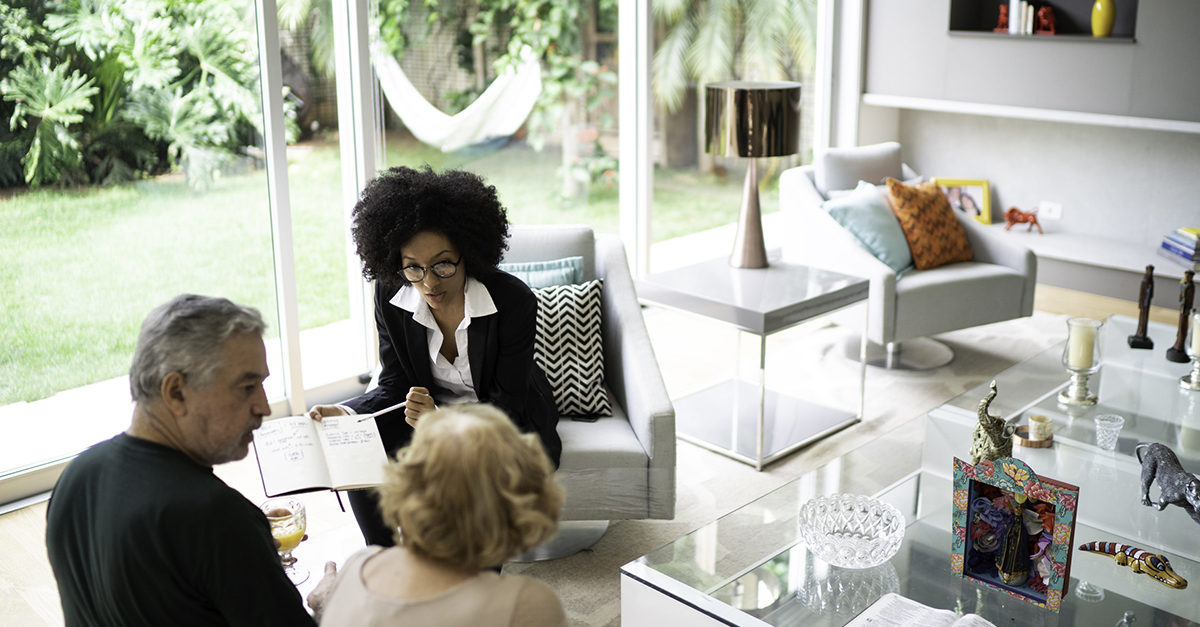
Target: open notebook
column 298, row 454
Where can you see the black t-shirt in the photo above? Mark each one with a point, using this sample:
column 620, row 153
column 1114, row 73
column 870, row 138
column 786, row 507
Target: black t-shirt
column 139, row 534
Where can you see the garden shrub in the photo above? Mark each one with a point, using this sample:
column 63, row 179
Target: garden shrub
column 104, row 91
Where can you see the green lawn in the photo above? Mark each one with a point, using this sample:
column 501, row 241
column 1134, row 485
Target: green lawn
column 79, row 270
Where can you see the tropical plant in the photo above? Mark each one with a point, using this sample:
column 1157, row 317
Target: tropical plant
column 317, row 17
column 572, row 85
column 711, row 40
column 20, row 44
column 122, row 87
column 56, row 101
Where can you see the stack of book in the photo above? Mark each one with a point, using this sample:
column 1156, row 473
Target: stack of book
column 1183, row 247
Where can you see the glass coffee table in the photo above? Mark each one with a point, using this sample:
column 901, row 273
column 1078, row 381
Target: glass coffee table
column 751, row 568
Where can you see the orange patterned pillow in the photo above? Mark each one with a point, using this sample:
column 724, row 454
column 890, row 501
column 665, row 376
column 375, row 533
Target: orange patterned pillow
column 933, row 233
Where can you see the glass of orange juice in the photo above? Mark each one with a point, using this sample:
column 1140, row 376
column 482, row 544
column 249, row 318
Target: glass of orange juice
column 288, row 522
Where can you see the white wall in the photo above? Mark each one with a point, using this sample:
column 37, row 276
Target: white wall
column 1127, row 184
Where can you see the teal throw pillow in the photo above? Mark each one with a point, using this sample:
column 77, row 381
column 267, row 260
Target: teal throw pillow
column 535, row 274
column 866, row 214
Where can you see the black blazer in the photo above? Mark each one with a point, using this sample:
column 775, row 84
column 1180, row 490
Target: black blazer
column 500, row 349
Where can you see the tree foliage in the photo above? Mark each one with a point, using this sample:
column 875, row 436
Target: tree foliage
column 551, row 29
column 712, row 40
column 102, row 91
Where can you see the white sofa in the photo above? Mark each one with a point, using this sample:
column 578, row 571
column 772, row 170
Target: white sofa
column 620, row 466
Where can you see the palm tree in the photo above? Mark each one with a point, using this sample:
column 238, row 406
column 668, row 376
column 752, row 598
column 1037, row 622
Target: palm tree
column 294, row 15
column 712, row 40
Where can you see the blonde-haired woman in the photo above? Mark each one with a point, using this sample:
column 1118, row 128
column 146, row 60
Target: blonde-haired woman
column 468, row 493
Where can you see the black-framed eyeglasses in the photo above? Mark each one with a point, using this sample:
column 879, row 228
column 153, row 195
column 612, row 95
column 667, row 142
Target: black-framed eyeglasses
column 441, row 269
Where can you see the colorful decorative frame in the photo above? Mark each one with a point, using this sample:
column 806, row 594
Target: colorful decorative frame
column 970, row 196
column 976, row 515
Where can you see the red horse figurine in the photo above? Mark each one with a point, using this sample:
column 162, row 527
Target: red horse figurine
column 1016, row 216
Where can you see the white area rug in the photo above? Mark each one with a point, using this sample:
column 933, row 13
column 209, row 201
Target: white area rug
column 694, row 354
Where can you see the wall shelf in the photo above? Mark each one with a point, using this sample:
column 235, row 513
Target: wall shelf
column 1074, row 18
column 1067, row 37
column 1029, row 113
column 1143, row 77
column 1098, row 265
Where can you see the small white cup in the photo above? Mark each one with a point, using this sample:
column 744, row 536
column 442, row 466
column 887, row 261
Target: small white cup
column 1040, row 427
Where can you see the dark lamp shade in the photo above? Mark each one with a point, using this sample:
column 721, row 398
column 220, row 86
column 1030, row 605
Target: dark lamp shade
column 752, row 119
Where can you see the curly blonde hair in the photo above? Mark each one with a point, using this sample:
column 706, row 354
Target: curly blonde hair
column 470, row 490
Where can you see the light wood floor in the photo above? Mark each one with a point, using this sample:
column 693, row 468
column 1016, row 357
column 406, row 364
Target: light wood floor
column 1059, row 300
column 29, row 596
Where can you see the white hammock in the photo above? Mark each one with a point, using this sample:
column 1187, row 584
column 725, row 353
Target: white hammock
column 498, row 112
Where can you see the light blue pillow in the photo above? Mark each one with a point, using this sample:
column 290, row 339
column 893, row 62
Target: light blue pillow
column 866, row 214
column 566, row 271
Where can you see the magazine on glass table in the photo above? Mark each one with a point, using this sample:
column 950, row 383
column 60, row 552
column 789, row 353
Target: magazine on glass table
column 893, row 610
column 298, row 454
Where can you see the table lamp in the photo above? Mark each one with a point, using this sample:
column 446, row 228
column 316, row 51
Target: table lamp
column 751, row 119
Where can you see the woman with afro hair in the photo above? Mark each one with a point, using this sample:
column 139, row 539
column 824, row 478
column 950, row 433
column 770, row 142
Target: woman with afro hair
column 452, row 327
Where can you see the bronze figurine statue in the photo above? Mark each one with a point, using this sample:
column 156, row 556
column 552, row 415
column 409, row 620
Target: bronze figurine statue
column 1187, row 292
column 1145, row 297
column 993, row 435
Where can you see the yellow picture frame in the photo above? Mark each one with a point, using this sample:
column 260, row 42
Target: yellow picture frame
column 970, row 196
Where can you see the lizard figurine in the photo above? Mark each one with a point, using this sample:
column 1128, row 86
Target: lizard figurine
column 1152, row 565
column 992, row 438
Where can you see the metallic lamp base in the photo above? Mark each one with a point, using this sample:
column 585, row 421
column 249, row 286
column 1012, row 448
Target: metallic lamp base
column 573, row 536
column 749, row 249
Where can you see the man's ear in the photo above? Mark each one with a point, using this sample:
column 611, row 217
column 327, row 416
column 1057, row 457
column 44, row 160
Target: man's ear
column 173, row 391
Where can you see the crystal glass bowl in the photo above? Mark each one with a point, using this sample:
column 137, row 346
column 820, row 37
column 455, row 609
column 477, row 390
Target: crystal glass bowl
column 851, row 531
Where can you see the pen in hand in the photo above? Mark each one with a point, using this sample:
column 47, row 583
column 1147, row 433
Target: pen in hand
column 383, row 411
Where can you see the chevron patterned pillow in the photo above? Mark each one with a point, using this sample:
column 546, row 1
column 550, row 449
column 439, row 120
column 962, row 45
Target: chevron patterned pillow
column 570, row 349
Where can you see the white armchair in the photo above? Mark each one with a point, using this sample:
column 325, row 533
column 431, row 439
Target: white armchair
column 620, row 466
column 997, row 285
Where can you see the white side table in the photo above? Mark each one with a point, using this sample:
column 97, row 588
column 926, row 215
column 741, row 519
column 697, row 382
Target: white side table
column 743, row 419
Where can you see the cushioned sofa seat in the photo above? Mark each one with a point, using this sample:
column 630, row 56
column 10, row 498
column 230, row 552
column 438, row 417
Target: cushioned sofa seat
column 620, row 466
column 927, row 302
column 607, row 469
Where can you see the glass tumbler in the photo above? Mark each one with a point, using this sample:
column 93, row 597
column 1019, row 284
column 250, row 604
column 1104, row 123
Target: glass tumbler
column 1108, row 429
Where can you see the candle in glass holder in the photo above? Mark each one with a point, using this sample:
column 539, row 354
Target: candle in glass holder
column 1079, row 347
column 1196, row 334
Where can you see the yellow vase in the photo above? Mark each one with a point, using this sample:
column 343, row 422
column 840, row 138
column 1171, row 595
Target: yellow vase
column 1104, row 13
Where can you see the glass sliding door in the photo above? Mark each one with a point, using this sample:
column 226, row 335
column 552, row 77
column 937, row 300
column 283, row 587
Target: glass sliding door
column 327, row 280
column 156, row 187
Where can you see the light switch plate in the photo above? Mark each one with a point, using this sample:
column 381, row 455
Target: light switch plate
column 1050, row 210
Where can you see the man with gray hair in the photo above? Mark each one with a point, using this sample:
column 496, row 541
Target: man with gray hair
column 139, row 530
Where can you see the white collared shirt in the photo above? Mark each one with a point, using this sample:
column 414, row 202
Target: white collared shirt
column 456, row 376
